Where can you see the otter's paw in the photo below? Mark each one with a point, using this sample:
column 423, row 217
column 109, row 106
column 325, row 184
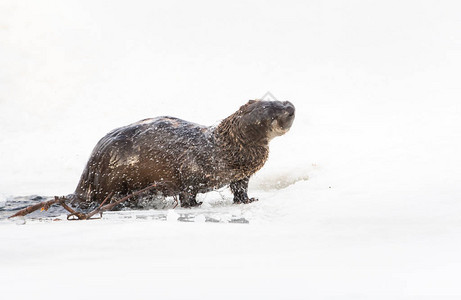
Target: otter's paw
column 245, row 200
column 252, row 200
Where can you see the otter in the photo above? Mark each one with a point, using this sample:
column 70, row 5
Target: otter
column 188, row 158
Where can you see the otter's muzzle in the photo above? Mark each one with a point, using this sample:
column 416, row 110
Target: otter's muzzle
column 288, row 116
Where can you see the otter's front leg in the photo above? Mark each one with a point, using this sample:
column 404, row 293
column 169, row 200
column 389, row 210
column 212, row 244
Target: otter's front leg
column 188, row 199
column 240, row 190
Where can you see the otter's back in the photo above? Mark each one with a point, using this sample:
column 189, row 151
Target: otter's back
column 132, row 157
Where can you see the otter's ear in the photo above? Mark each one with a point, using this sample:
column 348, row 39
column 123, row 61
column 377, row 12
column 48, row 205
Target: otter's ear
column 252, row 101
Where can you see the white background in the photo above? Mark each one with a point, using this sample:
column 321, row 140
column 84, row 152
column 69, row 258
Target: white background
column 360, row 199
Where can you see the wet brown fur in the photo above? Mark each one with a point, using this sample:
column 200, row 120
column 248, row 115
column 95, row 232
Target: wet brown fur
column 185, row 157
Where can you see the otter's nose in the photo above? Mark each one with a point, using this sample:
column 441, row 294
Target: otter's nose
column 289, row 107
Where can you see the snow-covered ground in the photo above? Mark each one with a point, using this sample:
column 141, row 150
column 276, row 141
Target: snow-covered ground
column 360, row 200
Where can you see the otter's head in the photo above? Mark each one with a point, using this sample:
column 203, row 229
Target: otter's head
column 260, row 121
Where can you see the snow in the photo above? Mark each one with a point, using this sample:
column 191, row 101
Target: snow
column 360, row 200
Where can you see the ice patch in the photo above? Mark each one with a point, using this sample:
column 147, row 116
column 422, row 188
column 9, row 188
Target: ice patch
column 200, row 218
column 172, row 216
column 19, row 220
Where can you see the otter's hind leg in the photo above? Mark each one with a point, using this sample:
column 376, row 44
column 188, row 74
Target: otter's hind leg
column 240, row 190
column 188, row 199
